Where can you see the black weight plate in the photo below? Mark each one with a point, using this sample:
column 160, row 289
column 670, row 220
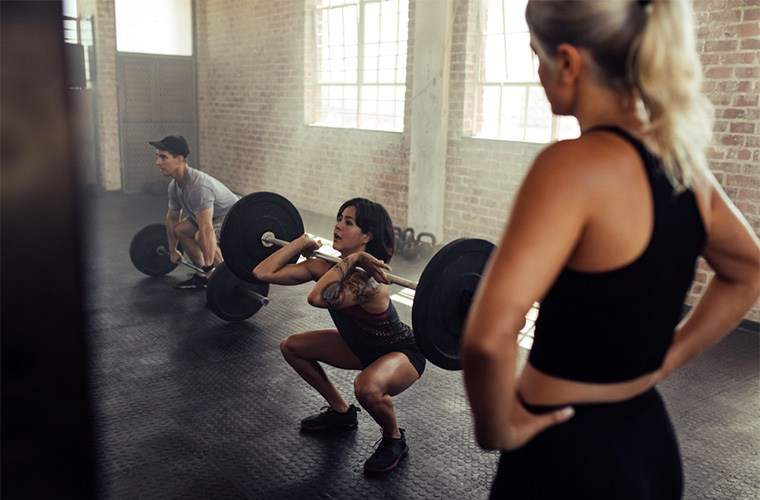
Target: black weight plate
column 252, row 216
column 443, row 296
column 143, row 251
column 226, row 299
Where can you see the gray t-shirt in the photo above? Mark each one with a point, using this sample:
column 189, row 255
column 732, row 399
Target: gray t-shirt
column 199, row 192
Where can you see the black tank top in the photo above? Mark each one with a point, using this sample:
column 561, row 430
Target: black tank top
column 616, row 325
column 371, row 330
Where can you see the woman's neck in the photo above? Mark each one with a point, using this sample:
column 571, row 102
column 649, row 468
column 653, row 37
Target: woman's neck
column 599, row 105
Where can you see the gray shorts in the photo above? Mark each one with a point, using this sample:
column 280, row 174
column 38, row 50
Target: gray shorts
column 217, row 223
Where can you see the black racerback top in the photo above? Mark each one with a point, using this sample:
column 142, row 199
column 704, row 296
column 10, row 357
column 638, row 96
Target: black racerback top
column 613, row 326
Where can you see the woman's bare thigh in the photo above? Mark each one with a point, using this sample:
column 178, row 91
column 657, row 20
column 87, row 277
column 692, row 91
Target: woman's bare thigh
column 326, row 346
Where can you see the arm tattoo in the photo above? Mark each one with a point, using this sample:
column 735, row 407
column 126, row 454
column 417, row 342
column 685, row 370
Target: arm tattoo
column 359, row 284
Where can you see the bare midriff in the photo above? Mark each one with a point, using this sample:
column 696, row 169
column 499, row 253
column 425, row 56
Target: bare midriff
column 538, row 388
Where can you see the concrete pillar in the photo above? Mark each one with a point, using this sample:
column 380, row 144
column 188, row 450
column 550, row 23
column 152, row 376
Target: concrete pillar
column 106, row 97
column 429, row 120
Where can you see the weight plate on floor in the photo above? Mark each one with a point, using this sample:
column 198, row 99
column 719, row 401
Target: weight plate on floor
column 252, row 216
column 226, row 297
column 443, row 297
column 144, row 251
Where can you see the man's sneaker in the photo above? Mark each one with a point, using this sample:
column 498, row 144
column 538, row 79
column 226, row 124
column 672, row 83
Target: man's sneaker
column 388, row 455
column 196, row 282
column 330, row 420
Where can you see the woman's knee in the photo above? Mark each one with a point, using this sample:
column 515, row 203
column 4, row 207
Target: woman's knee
column 286, row 347
column 367, row 392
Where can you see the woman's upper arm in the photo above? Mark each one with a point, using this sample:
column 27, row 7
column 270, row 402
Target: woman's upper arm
column 294, row 274
column 733, row 248
column 545, row 225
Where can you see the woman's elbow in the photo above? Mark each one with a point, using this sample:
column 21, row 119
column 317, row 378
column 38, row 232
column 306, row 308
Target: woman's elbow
column 260, row 275
column 315, row 300
column 486, row 440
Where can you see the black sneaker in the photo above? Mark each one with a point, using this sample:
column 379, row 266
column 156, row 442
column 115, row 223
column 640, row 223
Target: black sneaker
column 196, row 282
column 330, row 420
column 388, row 455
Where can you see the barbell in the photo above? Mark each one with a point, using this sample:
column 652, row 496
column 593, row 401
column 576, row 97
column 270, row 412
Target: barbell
column 259, row 222
column 228, row 297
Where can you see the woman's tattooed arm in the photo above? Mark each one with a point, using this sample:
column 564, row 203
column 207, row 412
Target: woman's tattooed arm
column 352, row 282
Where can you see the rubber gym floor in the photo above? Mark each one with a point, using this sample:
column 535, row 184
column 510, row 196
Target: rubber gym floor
column 188, row 406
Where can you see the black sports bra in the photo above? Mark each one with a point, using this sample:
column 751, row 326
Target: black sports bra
column 614, row 326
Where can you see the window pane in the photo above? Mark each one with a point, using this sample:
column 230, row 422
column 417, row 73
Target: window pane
column 519, row 60
column 567, row 127
column 494, row 20
column 490, row 127
column 335, row 27
column 539, row 126
column 515, row 17
column 372, row 23
column 495, row 60
column 350, row 25
column 70, row 8
column 151, row 27
column 513, row 113
column 384, row 28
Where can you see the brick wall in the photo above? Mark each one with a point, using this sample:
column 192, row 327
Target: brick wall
column 729, row 43
column 251, row 72
column 253, row 61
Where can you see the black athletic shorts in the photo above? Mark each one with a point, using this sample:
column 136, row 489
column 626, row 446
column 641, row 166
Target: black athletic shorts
column 368, row 354
column 620, row 451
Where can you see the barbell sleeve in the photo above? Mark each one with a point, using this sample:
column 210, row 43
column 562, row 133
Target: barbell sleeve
column 270, row 239
column 253, row 295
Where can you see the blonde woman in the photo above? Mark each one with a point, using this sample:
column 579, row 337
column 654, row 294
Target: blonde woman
column 605, row 232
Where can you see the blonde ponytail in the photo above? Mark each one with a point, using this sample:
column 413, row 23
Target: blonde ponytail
column 647, row 48
column 667, row 73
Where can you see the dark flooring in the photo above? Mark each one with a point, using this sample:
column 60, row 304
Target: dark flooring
column 188, row 406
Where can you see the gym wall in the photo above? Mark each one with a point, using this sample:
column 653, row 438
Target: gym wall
column 252, row 63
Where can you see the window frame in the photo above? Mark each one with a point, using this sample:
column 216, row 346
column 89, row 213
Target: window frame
column 482, row 84
column 314, row 111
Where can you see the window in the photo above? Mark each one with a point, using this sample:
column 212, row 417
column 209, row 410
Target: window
column 150, row 27
column 80, row 56
column 514, row 106
column 360, row 63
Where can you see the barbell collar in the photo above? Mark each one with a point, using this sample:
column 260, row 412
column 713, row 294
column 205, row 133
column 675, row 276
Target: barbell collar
column 268, row 239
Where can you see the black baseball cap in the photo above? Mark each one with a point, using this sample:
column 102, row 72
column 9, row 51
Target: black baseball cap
column 175, row 144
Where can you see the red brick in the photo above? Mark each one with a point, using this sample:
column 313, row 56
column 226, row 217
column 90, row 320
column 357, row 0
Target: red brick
column 720, row 45
column 743, row 181
column 732, row 140
column 751, row 14
column 744, row 100
column 730, row 113
column 742, row 128
column 734, row 86
column 748, row 29
column 738, row 58
column 750, row 44
column 747, row 72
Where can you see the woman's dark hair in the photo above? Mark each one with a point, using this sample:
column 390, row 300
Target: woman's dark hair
column 372, row 218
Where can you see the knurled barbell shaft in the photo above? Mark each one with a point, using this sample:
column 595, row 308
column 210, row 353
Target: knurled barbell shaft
column 249, row 293
column 162, row 251
column 269, row 238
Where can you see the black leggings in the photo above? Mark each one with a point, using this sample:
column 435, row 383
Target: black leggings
column 618, row 451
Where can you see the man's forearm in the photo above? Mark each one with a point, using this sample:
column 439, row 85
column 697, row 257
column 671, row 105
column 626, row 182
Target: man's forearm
column 171, row 237
column 207, row 242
